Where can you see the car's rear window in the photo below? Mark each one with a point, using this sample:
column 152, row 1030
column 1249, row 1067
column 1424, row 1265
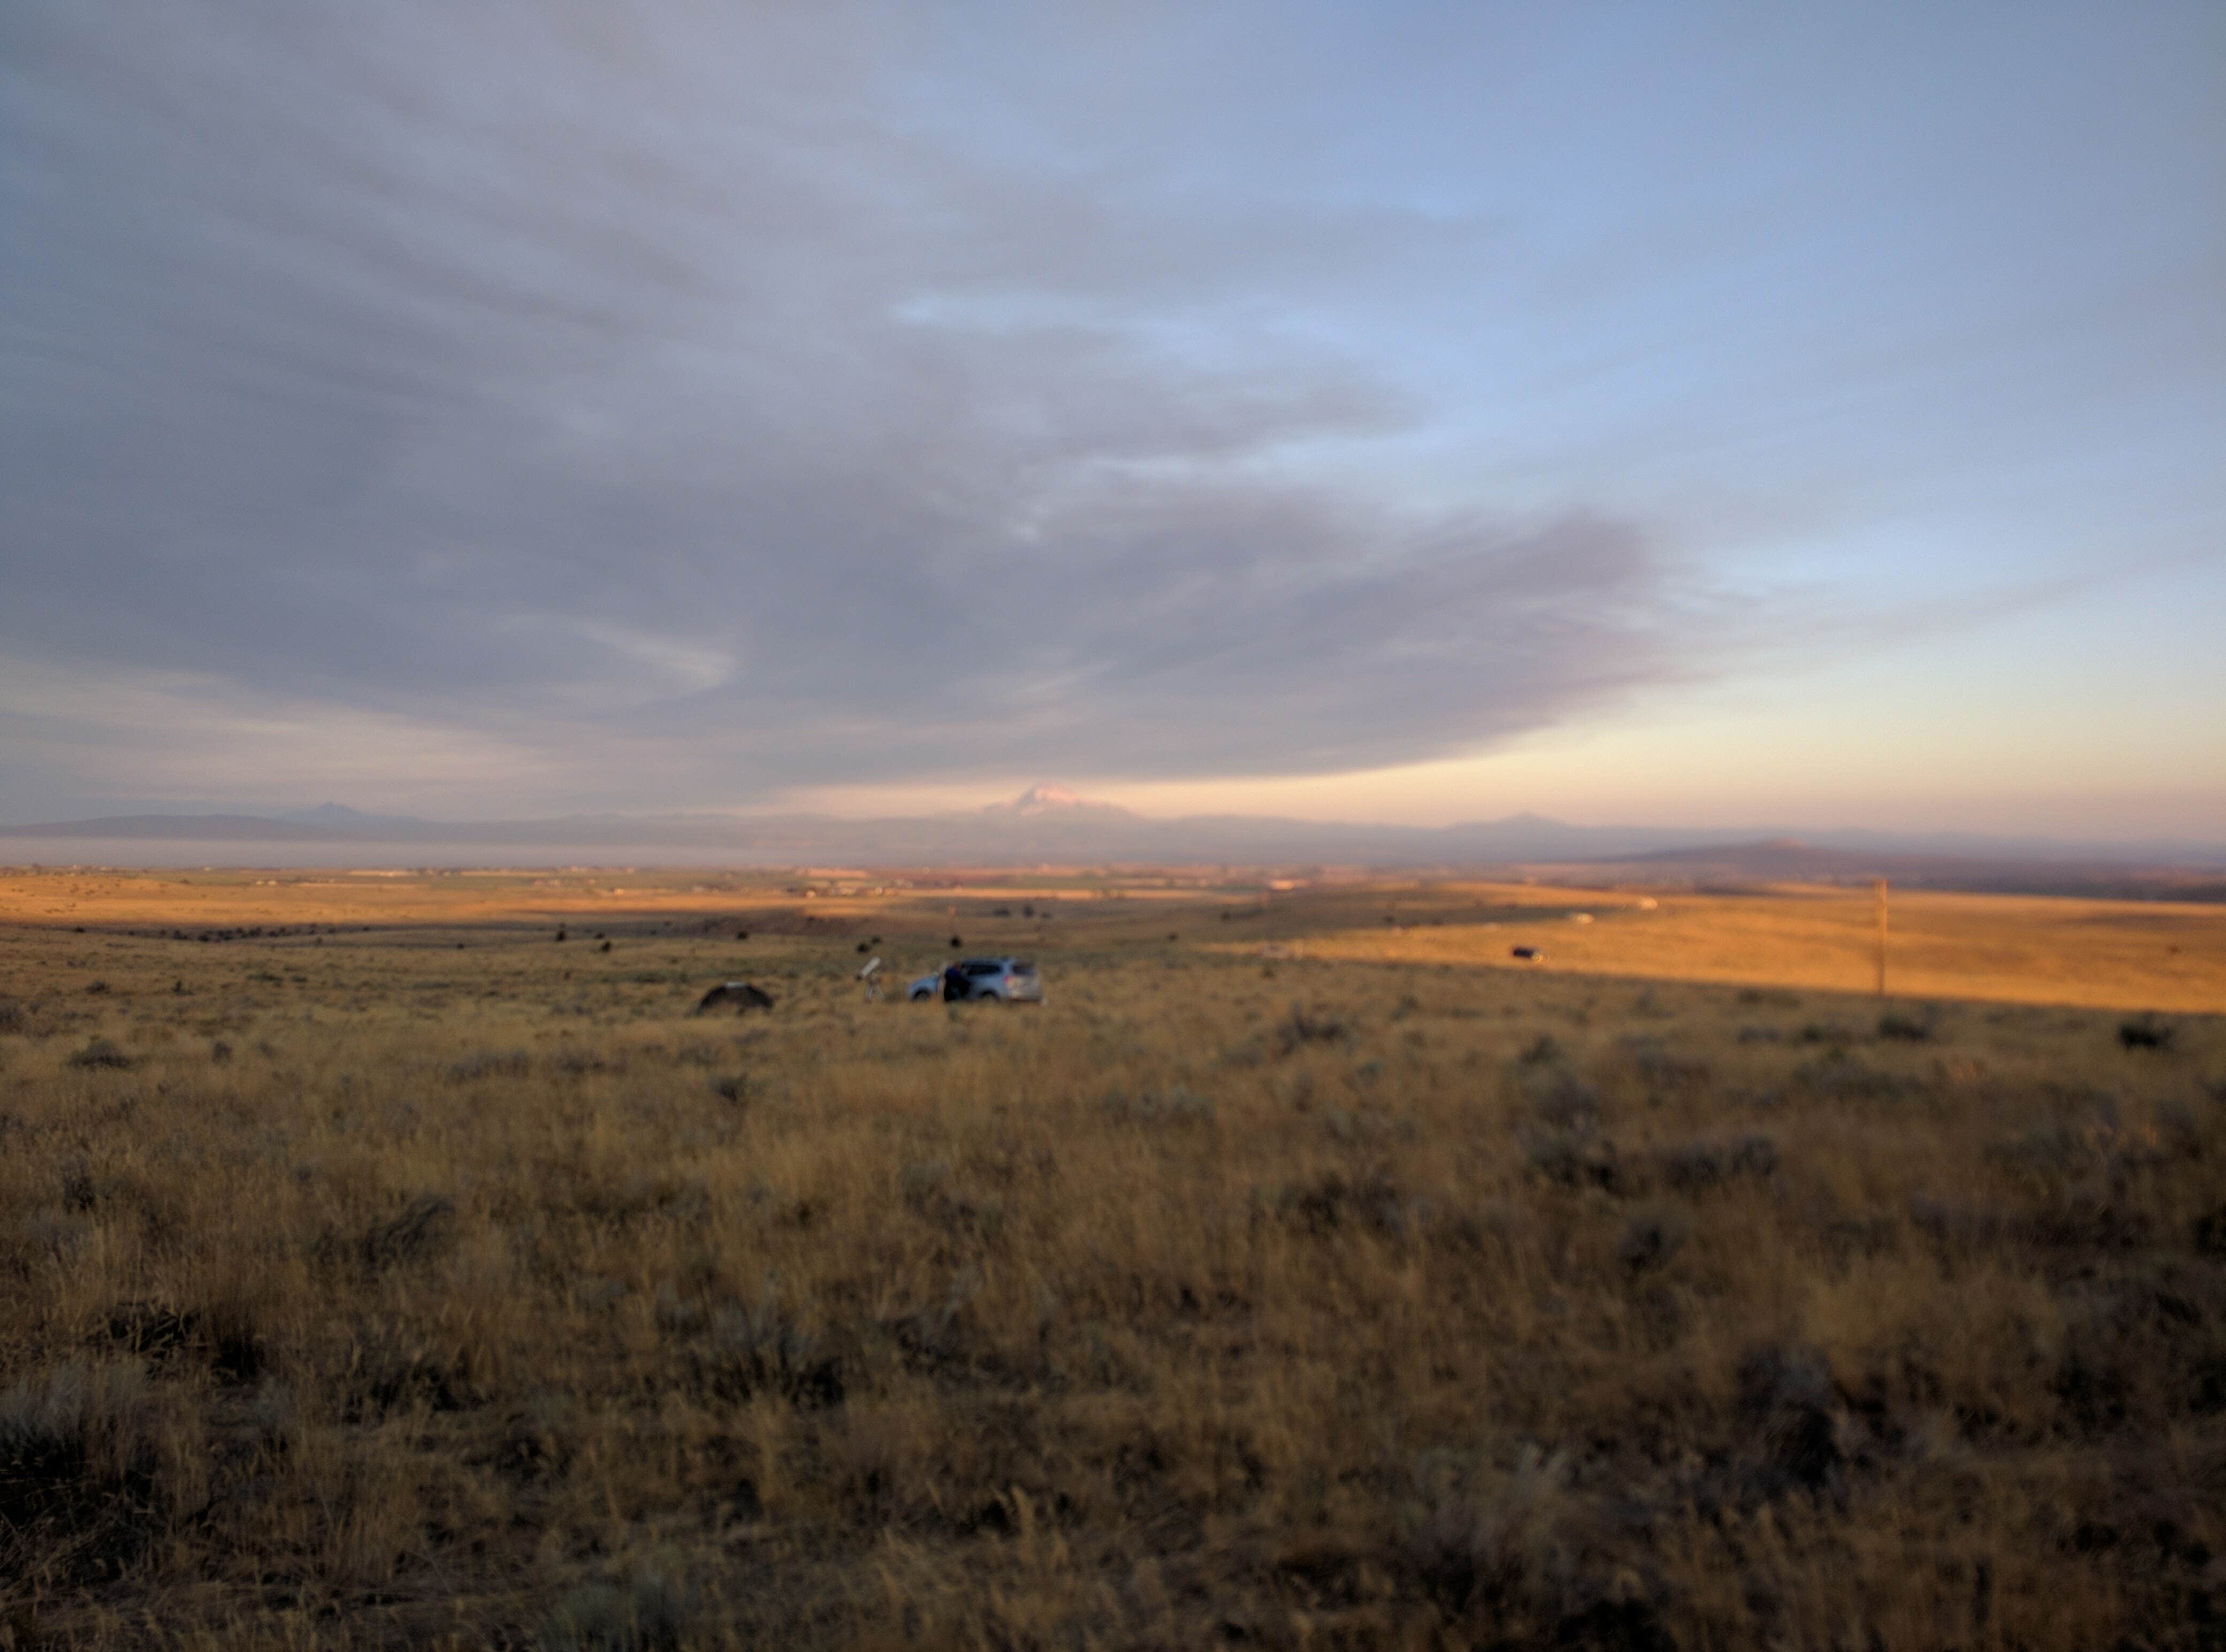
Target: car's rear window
column 1023, row 966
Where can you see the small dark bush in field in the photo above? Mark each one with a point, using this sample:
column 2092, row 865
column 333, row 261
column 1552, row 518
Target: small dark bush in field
column 98, row 987
column 2091, row 1218
column 605, row 947
column 1176, row 1104
column 1693, row 1166
column 740, row 996
column 1652, row 1236
column 1567, row 1103
column 420, row 1228
column 560, row 934
column 1371, row 1202
column 1245, row 1053
column 2210, row 1233
column 1787, row 1407
column 77, row 1472
column 151, row 1333
column 1836, row 1077
column 735, row 1090
column 101, row 1053
column 1472, row 1536
column 1663, row 1070
column 1900, row 1024
column 234, row 1352
column 237, row 1354
column 1304, row 1025
column 764, row 1353
column 1570, row 1158
column 958, row 941
column 1514, row 1555
column 741, row 935
column 2146, row 1032
column 12, row 1018
column 1564, row 1145
column 2177, row 1133
column 651, row 1614
column 79, row 1191
column 1541, row 1050
column 1956, row 1223
column 1775, row 997
column 490, row 1063
column 392, row 1382
column 538, row 1441
column 2059, row 1146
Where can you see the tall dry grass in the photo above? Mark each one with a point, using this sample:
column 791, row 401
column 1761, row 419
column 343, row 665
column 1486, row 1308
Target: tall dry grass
column 356, row 1292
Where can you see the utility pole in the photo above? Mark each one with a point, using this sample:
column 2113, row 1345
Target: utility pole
column 1878, row 903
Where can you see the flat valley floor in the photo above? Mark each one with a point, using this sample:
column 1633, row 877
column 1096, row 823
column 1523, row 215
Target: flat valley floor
column 378, row 1269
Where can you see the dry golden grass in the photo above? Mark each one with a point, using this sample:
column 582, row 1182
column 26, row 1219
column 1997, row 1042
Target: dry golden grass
column 435, row 1283
column 2109, row 954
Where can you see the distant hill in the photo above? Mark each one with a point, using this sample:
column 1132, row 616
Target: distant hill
column 338, row 817
column 1052, row 824
column 1789, row 859
column 193, row 828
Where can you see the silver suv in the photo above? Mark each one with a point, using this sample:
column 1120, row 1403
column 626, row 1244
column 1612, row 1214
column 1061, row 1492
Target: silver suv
column 1003, row 981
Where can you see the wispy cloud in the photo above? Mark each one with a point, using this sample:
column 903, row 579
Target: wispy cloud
column 650, row 382
column 704, row 403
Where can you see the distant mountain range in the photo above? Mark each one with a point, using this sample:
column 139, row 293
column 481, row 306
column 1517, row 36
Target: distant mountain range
column 1792, row 861
column 1050, row 824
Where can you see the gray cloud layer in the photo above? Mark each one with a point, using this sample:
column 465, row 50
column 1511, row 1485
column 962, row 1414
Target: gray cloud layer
column 698, row 406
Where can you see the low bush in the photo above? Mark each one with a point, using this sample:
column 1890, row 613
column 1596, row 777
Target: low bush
column 2146, row 1032
column 100, row 1052
column 1305, row 1025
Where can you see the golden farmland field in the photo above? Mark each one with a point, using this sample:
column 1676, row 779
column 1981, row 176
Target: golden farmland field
column 381, row 1271
column 2109, row 954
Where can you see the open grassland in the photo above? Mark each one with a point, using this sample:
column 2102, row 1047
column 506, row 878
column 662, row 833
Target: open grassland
column 389, row 1273
column 2113, row 954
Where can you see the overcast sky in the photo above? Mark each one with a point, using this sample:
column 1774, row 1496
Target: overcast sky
column 1790, row 414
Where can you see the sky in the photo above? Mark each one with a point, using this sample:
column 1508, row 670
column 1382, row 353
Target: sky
column 1403, row 412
